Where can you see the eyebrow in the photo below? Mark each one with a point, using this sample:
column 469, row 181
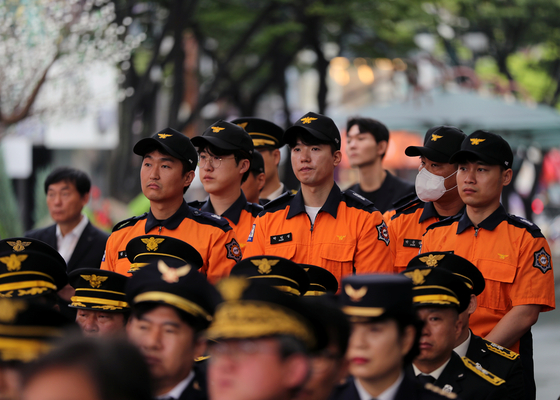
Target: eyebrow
column 160, row 159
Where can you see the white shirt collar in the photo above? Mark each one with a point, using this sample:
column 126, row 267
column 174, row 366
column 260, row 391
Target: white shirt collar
column 77, row 231
column 277, row 192
column 435, row 373
column 388, row 394
column 178, row 390
column 463, row 347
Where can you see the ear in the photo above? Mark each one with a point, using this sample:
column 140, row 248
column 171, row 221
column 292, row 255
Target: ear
column 506, row 176
column 276, row 156
column 458, row 327
column 85, row 199
column 472, row 305
column 382, row 147
column 337, row 157
column 189, row 176
column 261, row 181
column 296, row 370
column 407, row 339
column 199, row 347
column 245, row 165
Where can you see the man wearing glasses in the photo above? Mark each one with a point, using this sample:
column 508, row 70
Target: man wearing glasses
column 225, row 153
column 168, row 163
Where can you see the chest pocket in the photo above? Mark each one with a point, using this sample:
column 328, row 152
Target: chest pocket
column 403, row 256
column 498, row 277
column 338, row 259
column 286, row 250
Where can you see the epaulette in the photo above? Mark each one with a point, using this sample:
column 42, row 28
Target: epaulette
column 486, row 375
column 129, row 222
column 520, row 222
column 213, row 219
column 358, row 200
column 444, row 222
column 284, row 197
column 405, row 200
column 254, row 208
column 496, row 348
column 433, row 388
column 407, row 207
column 196, row 204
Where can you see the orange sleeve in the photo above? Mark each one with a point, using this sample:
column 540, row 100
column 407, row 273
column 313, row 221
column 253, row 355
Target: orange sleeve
column 256, row 241
column 372, row 247
column 108, row 261
column 225, row 253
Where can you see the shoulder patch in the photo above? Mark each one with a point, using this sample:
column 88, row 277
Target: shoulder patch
column 233, row 250
column 496, row 348
column 485, row 374
column 542, row 260
column 433, row 388
column 129, row 222
column 383, row 233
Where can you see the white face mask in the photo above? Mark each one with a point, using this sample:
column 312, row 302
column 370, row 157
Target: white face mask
column 430, row 187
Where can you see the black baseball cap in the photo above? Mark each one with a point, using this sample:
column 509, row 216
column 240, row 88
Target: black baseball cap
column 257, row 163
column 440, row 143
column 226, row 136
column 263, row 132
column 319, row 126
column 487, row 147
column 173, row 142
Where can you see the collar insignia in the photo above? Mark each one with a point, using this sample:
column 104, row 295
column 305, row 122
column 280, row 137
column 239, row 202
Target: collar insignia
column 172, row 275
column 476, row 141
column 19, row 245
column 164, row 135
column 9, row 310
column 95, row 281
column 431, row 260
column 232, row 288
column 307, row 120
column 152, row 243
column 265, row 265
column 355, row 294
column 435, row 137
column 418, row 276
column 13, row 262
column 217, row 129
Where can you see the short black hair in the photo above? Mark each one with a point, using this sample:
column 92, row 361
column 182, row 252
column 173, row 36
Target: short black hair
column 237, row 154
column 78, row 178
column 369, row 125
column 138, row 310
column 309, row 140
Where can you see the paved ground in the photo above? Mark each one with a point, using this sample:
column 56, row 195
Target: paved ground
column 546, row 347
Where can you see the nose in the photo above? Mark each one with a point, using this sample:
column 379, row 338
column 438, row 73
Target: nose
column 89, row 326
column 152, row 339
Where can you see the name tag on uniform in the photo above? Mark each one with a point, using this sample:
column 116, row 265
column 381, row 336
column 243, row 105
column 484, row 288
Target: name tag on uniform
column 285, row 237
column 122, row 254
column 415, row 243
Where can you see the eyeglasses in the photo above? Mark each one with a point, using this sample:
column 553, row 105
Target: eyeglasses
column 215, row 161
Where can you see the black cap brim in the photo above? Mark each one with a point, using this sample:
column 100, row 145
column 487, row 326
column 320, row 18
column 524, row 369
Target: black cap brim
column 463, row 155
column 200, row 141
column 431, row 154
column 147, row 145
column 295, row 129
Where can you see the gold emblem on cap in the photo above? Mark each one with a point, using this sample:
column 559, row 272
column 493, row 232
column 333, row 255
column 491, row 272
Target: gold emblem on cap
column 307, row 120
column 232, row 288
column 243, row 124
column 172, row 275
column 94, row 280
column 9, row 310
column 476, row 141
column 13, row 261
column 265, row 265
column 217, row 129
column 355, row 294
column 306, row 269
column 435, row 137
column 164, row 135
column 431, row 260
column 152, row 243
column 19, row 245
column 418, row 276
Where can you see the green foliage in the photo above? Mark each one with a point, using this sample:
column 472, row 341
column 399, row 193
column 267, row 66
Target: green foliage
column 10, row 222
column 41, row 211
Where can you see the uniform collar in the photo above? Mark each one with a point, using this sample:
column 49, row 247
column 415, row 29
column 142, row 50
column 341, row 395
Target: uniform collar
column 233, row 213
column 297, row 205
column 489, row 224
column 429, row 212
column 170, row 223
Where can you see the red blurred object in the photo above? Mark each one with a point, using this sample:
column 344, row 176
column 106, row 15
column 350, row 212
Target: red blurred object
column 537, row 206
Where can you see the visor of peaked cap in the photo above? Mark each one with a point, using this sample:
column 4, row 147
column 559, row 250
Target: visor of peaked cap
column 376, row 295
column 172, row 142
column 145, row 249
column 182, row 287
column 30, row 268
column 437, row 287
column 226, row 136
column 257, row 163
column 263, row 132
column 28, row 329
column 440, row 143
column 455, row 264
column 319, row 126
column 283, row 274
column 321, row 281
column 252, row 310
column 98, row 290
column 487, row 147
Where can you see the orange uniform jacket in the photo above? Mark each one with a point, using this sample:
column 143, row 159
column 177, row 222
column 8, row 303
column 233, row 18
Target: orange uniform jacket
column 348, row 236
column 406, row 228
column 209, row 234
column 511, row 253
column 240, row 216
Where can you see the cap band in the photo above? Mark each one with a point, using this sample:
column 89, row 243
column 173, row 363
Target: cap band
column 314, row 293
column 273, row 276
column 77, row 302
column 263, row 142
column 32, row 331
column 288, row 289
column 27, row 285
column 22, row 349
column 435, row 299
column 99, row 290
column 175, row 301
column 363, row 311
column 159, row 254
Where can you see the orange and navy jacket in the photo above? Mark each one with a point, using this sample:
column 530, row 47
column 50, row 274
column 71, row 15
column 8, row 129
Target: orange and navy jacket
column 513, row 256
column 240, row 215
column 208, row 233
column 406, row 228
column 349, row 234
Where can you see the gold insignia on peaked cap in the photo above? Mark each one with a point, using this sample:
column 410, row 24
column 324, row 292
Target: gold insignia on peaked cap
column 94, row 280
column 263, row 142
column 9, row 309
column 435, row 137
column 355, row 294
column 307, row 120
column 306, row 269
column 476, row 141
column 172, row 275
column 232, row 288
column 217, row 129
column 152, row 243
column 265, row 265
column 431, row 260
column 243, row 124
column 164, row 135
column 418, row 276
column 13, row 261
column 19, row 245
